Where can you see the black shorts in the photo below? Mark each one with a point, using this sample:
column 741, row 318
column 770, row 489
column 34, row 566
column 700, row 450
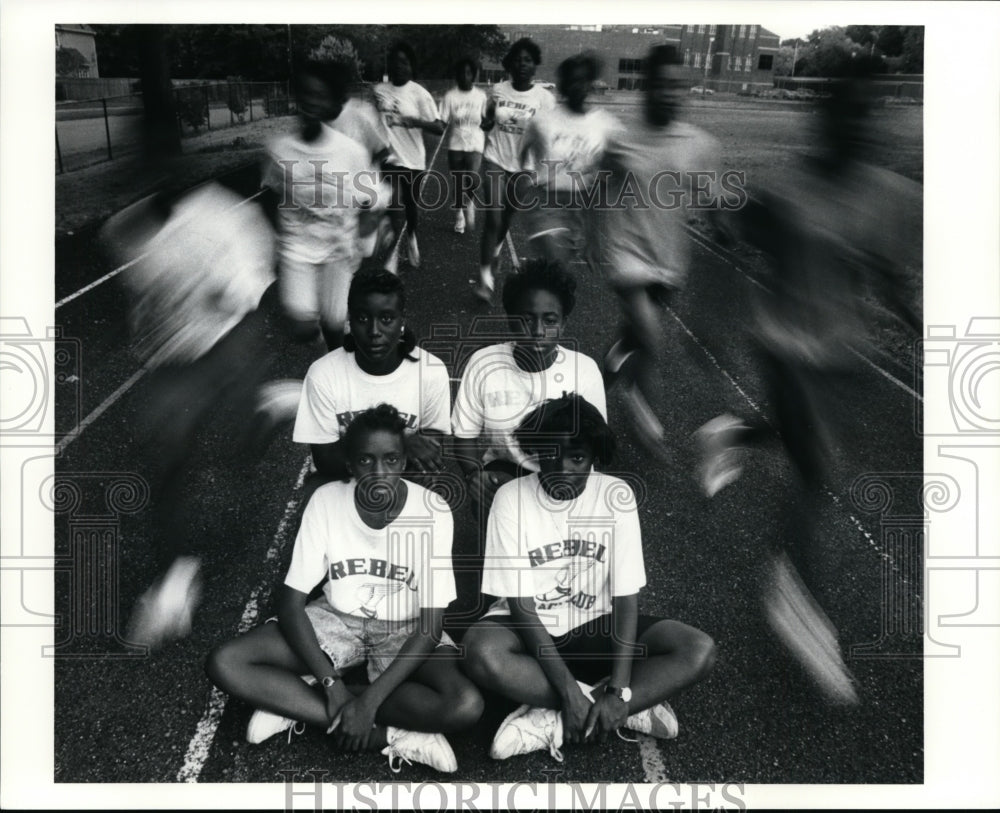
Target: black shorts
column 588, row 650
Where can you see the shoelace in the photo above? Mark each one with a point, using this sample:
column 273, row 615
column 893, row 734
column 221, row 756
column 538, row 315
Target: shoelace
column 393, row 754
column 295, row 728
column 621, row 736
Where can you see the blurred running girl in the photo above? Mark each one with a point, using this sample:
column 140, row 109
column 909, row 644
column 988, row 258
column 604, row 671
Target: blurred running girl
column 407, row 110
column 565, row 146
column 463, row 110
column 511, row 106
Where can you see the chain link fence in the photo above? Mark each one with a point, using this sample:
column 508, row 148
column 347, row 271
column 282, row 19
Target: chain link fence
column 96, row 130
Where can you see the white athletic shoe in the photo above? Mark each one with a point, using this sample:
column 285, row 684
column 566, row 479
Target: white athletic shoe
column 265, row 724
column 614, row 361
column 460, row 222
column 413, row 251
column 528, row 729
column 276, row 407
column 658, row 721
column 165, row 610
column 803, row 627
column 418, row 746
column 718, row 465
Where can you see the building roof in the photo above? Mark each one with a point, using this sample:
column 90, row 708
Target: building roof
column 77, row 28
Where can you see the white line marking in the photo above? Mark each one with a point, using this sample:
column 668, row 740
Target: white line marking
column 701, row 241
column 204, row 735
column 886, row 374
column 105, row 405
column 652, row 761
column 513, row 254
column 130, row 263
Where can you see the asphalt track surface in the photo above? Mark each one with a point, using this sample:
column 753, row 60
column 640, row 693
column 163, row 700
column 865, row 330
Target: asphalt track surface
column 122, row 716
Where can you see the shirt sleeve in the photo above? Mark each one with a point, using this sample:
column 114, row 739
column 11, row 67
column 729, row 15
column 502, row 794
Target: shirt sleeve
column 629, row 570
column 435, row 394
column 316, row 419
column 427, row 106
column 506, row 569
column 438, row 577
column 309, row 560
column 591, row 385
column 468, row 417
column 446, row 111
column 271, row 172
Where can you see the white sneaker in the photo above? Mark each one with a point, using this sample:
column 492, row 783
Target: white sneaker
column 658, row 721
column 528, row 729
column 418, row 746
column 803, row 627
column 165, row 610
column 413, row 251
column 614, row 361
column 460, row 223
column 265, row 724
column 718, row 465
column 470, row 215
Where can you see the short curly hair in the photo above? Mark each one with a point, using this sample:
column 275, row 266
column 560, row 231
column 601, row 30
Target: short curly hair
column 456, row 70
column 539, row 274
column 571, row 415
column 381, row 418
column 588, row 61
column 523, row 44
column 379, row 281
column 408, row 52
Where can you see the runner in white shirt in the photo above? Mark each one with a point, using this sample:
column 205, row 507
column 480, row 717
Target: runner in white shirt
column 565, row 146
column 408, row 111
column 378, row 362
column 381, row 547
column 503, row 382
column 511, row 105
column 564, row 553
column 324, row 182
column 463, row 110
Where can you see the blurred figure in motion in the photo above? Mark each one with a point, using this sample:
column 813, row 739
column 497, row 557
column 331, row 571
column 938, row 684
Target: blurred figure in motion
column 200, row 264
column 565, row 146
column 463, row 109
column 830, row 226
column 658, row 167
column 329, row 201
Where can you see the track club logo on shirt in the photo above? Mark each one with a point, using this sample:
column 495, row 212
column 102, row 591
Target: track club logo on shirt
column 585, row 553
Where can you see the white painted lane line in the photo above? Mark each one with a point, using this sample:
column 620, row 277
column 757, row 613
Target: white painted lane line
column 701, row 241
column 204, row 735
column 105, row 405
column 129, row 264
column 652, row 760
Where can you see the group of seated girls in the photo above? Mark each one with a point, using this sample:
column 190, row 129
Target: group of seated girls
column 563, row 639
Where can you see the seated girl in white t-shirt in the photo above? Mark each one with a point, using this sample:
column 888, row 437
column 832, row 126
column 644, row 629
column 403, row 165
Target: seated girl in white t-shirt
column 382, row 548
column 565, row 639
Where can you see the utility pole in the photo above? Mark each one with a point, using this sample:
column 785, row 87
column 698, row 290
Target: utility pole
column 795, row 58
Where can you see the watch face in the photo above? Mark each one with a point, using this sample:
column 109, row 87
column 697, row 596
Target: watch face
column 328, row 682
column 626, row 694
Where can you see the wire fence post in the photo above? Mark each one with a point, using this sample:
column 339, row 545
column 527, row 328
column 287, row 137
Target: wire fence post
column 208, row 109
column 107, row 128
column 59, row 153
column 249, row 95
column 232, row 101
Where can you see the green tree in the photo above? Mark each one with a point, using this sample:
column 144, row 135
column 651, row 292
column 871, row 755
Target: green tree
column 70, row 62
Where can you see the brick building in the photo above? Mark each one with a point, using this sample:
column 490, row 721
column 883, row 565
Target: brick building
column 723, row 57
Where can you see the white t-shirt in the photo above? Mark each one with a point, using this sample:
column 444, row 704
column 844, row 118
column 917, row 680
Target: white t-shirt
column 512, row 112
column 561, row 142
column 644, row 237
column 360, row 120
column 388, row 574
column 496, row 395
column 464, row 111
column 322, row 186
column 336, row 389
column 407, row 143
column 204, row 269
column 571, row 556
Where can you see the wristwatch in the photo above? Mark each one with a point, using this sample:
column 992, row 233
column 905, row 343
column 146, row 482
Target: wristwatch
column 624, row 695
column 328, row 681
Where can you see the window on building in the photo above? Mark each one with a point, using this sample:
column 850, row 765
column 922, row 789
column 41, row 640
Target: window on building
column 753, row 31
column 766, row 62
column 630, row 66
column 749, row 64
column 739, row 63
column 743, row 31
column 697, row 60
column 711, row 30
column 631, row 83
column 687, row 56
column 701, row 29
column 729, row 63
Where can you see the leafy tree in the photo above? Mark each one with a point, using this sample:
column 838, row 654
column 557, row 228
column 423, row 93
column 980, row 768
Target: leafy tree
column 913, row 49
column 70, row 62
column 783, row 60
